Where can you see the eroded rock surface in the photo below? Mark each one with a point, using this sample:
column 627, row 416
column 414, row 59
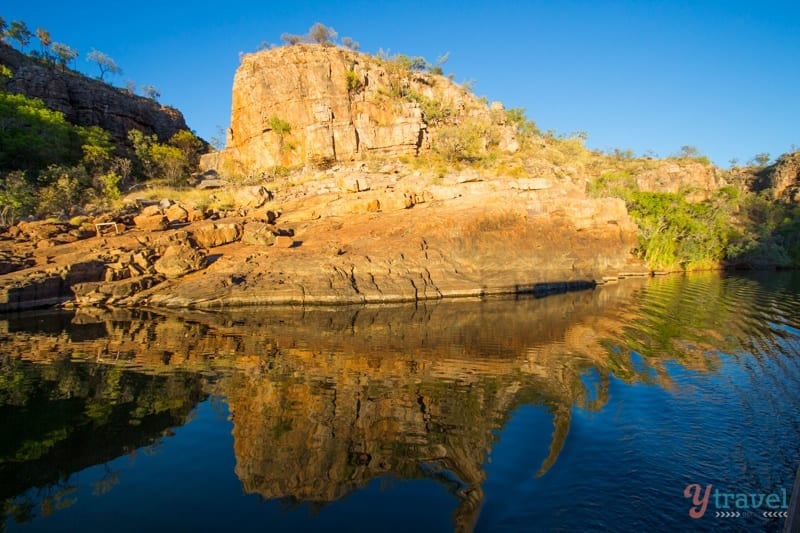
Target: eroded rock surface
column 313, row 104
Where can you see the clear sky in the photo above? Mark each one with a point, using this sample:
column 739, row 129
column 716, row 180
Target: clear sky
column 723, row 76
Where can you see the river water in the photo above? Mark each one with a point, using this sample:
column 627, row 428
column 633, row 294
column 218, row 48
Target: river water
column 594, row 410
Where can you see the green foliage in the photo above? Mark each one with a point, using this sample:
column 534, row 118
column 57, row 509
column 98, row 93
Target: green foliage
column 525, row 127
column 434, row 111
column 17, row 196
column 617, row 183
column 63, row 190
column 18, row 30
column 188, row 143
column 170, row 161
column 733, row 227
column 354, row 82
column 460, row 142
column 142, row 147
column 279, row 126
column 674, row 232
column 110, row 185
column 97, row 148
column 33, row 136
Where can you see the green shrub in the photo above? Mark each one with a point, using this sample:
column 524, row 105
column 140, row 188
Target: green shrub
column 434, row 111
column 354, row 82
column 279, row 126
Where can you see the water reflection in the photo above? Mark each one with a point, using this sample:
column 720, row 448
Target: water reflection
column 323, row 401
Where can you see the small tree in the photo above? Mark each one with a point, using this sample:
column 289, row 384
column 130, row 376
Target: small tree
column 3, row 27
column 688, row 152
column 321, row 34
column 170, row 161
column 19, row 32
column 142, row 147
column 130, row 86
column 291, row 39
column 64, row 53
column 188, row 143
column 151, row 92
column 104, row 63
column 44, row 39
column 761, row 159
column 350, row 44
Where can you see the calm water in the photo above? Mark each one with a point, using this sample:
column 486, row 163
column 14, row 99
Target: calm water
column 583, row 411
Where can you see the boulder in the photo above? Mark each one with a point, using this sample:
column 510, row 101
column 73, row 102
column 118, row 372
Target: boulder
column 258, row 234
column 151, row 222
column 151, row 210
column 214, row 234
column 252, row 197
column 180, row 259
column 176, row 213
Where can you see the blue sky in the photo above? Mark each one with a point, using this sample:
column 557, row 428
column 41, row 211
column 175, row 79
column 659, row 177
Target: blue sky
column 647, row 76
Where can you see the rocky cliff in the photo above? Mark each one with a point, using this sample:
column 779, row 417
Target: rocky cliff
column 315, row 104
column 88, row 102
column 782, row 178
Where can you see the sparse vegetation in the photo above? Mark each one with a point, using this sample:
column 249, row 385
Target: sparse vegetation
column 354, row 82
column 104, row 63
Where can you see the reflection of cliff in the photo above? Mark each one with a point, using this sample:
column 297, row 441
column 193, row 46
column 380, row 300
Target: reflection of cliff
column 324, row 400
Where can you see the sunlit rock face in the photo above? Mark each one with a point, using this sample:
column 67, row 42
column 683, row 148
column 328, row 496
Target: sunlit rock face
column 312, row 104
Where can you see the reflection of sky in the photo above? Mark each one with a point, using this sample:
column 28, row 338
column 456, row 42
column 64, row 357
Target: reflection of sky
column 632, row 460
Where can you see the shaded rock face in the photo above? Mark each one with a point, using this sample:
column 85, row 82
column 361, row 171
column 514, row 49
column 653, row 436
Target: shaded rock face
column 89, row 102
column 783, row 178
column 335, row 105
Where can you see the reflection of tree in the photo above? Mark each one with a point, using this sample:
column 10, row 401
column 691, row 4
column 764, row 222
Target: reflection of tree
column 68, row 416
column 109, row 480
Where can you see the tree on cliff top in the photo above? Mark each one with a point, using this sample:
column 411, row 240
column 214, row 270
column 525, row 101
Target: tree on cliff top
column 64, row 53
column 19, row 32
column 321, row 34
column 318, row 33
column 44, row 39
column 104, row 63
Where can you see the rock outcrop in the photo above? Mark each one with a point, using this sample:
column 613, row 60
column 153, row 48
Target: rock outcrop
column 699, row 181
column 88, row 102
column 404, row 238
column 782, row 178
column 315, row 104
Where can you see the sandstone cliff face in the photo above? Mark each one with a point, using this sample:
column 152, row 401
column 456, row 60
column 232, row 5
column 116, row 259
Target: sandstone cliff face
column 700, row 180
column 340, row 105
column 88, row 102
